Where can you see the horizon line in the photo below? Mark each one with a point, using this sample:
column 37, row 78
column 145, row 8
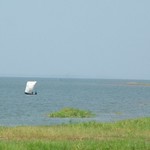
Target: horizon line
column 71, row 77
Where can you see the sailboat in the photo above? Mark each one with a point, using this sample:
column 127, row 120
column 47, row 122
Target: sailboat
column 29, row 90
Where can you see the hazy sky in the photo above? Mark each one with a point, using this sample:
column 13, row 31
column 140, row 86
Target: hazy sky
column 75, row 38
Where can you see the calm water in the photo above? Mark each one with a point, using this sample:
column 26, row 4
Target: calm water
column 110, row 100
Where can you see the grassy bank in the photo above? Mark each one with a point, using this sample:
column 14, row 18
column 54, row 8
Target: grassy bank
column 122, row 135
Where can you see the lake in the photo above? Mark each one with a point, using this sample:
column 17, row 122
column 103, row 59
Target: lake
column 110, row 100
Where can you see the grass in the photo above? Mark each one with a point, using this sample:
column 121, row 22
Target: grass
column 122, row 135
column 71, row 113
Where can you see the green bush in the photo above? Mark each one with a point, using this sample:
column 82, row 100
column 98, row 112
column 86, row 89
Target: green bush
column 71, row 113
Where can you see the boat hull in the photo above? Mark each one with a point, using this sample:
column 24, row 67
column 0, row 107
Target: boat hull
column 30, row 93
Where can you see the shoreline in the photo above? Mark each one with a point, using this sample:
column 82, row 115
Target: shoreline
column 126, row 134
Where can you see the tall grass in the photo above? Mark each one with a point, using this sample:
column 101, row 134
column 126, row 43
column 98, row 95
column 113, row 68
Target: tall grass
column 75, row 145
column 122, row 135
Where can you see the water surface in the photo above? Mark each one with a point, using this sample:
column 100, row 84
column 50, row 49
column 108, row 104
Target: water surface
column 109, row 100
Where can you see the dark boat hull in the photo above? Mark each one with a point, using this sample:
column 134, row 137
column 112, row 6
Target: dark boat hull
column 31, row 93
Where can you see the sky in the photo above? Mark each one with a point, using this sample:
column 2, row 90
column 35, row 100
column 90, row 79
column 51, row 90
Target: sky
column 75, row 38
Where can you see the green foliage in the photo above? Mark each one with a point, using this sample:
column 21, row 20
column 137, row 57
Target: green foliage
column 71, row 113
column 122, row 135
column 75, row 145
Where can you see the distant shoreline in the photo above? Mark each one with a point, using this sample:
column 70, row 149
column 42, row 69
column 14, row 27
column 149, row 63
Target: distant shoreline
column 75, row 77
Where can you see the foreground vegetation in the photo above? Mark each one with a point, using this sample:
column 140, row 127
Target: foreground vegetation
column 122, row 135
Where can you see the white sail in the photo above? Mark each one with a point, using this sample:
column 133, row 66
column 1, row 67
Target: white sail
column 30, row 87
